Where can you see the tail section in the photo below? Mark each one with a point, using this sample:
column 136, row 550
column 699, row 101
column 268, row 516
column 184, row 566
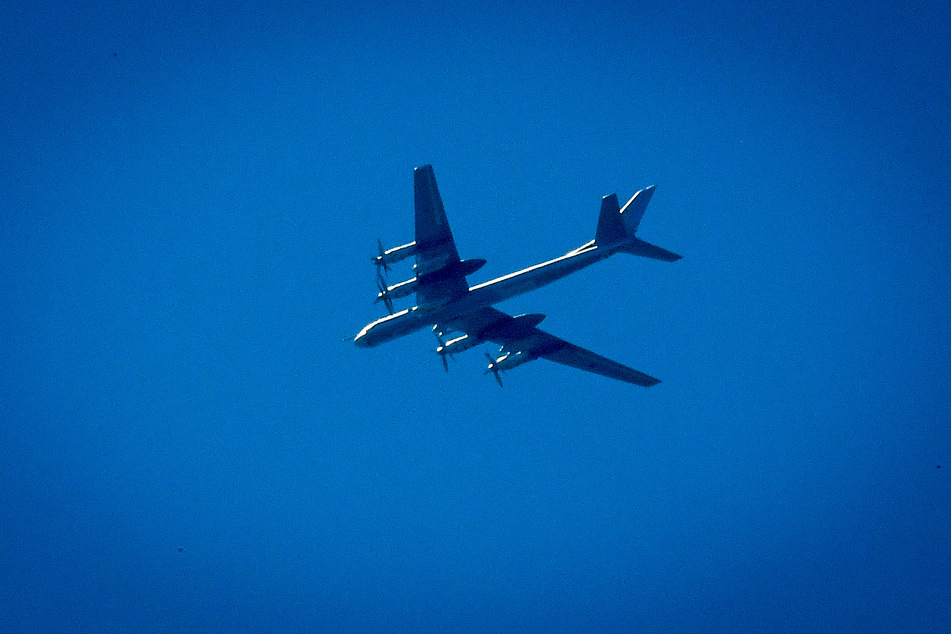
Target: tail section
column 634, row 209
column 610, row 227
column 617, row 226
column 648, row 250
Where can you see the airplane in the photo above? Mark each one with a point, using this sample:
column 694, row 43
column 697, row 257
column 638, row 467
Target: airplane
column 445, row 300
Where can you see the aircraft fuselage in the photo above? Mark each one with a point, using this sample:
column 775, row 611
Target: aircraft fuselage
column 481, row 295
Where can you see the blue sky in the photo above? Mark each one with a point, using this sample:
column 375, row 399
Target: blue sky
column 189, row 197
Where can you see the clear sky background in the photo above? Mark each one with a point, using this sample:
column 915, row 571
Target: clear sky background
column 189, row 198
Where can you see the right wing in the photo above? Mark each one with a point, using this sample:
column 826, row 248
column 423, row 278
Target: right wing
column 440, row 274
column 521, row 335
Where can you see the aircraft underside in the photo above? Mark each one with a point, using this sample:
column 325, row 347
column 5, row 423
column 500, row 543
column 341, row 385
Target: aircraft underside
column 462, row 317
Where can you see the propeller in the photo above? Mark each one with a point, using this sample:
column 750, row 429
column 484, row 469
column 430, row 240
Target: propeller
column 380, row 260
column 493, row 368
column 384, row 295
column 439, row 333
column 381, row 282
column 442, row 344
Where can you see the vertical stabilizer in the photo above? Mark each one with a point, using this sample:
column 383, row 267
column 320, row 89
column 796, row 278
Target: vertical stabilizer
column 634, row 210
column 616, row 227
column 610, row 228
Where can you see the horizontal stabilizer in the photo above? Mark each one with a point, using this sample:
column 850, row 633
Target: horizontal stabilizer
column 648, row 250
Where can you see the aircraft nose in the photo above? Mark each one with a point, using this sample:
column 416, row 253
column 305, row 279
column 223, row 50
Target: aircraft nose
column 361, row 340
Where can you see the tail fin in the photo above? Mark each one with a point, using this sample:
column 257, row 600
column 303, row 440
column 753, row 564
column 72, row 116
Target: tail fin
column 634, row 209
column 620, row 224
column 610, row 229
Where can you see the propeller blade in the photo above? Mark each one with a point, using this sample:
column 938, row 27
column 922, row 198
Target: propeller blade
column 442, row 344
column 379, row 260
column 384, row 296
column 493, row 369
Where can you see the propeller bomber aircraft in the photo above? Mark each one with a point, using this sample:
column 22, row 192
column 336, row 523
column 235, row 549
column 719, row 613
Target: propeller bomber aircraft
column 445, row 300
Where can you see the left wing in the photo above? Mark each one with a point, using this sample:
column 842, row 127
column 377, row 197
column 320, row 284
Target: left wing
column 578, row 357
column 440, row 273
column 524, row 342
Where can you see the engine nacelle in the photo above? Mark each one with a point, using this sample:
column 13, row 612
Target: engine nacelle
column 510, row 360
column 388, row 294
column 402, row 289
column 394, row 255
column 459, row 344
column 515, row 328
column 436, row 271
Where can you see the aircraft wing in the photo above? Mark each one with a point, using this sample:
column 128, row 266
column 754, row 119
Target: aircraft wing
column 578, row 357
column 520, row 334
column 440, row 273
